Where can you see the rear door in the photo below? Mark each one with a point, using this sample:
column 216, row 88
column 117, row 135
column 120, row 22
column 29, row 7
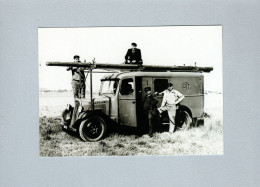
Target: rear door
column 127, row 102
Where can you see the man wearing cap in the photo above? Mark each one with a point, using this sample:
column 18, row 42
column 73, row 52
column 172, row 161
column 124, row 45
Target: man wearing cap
column 78, row 79
column 133, row 55
column 171, row 98
column 149, row 110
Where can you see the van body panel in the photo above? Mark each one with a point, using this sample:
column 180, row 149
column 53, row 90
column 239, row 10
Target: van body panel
column 127, row 109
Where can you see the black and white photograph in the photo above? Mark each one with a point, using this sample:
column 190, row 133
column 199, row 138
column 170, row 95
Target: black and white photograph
column 130, row 91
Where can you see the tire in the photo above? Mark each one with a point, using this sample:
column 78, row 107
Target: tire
column 92, row 129
column 183, row 120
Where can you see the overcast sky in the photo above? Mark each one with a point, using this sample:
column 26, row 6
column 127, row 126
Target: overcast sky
column 171, row 45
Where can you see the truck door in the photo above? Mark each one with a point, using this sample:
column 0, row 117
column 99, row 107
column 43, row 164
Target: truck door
column 140, row 84
column 127, row 102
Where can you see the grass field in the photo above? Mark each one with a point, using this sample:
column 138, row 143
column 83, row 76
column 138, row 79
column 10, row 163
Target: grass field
column 203, row 140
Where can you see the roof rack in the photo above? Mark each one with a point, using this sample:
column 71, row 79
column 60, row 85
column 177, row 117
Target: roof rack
column 132, row 67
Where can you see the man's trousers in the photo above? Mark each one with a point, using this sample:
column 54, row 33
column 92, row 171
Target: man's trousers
column 78, row 88
column 171, row 109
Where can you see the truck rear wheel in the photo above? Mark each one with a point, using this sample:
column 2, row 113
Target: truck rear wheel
column 92, row 129
column 183, row 120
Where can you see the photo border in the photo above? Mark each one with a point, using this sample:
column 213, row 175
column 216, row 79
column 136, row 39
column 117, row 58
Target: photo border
column 21, row 164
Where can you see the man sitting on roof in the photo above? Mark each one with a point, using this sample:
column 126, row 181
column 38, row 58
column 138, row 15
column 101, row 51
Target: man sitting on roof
column 133, row 55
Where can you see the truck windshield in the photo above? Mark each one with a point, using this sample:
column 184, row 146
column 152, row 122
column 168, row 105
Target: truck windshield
column 108, row 87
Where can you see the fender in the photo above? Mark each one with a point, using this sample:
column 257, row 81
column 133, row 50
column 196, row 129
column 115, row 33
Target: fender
column 183, row 108
column 67, row 115
column 86, row 114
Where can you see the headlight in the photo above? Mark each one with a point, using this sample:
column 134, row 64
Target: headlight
column 80, row 109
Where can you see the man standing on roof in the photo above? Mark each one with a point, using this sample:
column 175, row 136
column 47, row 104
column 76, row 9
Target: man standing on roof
column 171, row 98
column 78, row 79
column 149, row 110
column 133, row 55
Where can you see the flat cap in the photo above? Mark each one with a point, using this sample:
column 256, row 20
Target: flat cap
column 76, row 56
column 170, row 84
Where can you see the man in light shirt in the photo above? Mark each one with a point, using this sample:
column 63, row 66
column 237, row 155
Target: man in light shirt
column 171, row 98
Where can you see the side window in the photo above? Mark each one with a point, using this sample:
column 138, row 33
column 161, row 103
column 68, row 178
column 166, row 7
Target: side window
column 160, row 85
column 127, row 87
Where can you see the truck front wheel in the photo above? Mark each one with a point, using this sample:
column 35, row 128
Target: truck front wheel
column 92, row 129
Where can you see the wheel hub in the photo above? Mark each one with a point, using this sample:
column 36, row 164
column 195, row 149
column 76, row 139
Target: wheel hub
column 93, row 128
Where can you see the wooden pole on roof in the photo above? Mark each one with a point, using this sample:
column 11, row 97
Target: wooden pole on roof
column 134, row 67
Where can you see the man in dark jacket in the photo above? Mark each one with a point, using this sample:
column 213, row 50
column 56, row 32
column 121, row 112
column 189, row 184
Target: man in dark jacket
column 78, row 79
column 150, row 110
column 133, row 55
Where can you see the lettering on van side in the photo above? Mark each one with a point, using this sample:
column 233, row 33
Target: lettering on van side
column 186, row 85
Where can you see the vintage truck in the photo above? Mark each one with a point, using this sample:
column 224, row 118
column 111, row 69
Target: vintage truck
column 121, row 94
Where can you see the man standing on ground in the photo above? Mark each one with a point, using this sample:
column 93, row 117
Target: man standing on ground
column 133, row 55
column 149, row 110
column 78, row 79
column 171, row 98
